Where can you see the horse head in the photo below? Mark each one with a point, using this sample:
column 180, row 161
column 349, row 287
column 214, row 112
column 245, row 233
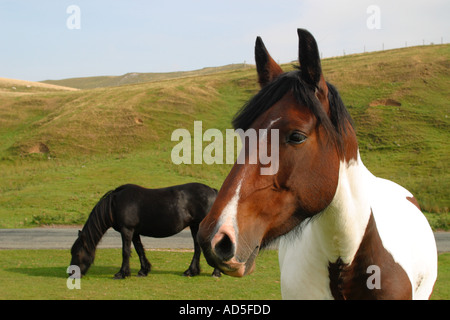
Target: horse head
column 82, row 256
column 314, row 134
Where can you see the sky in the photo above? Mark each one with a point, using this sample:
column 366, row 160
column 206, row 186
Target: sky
column 47, row 39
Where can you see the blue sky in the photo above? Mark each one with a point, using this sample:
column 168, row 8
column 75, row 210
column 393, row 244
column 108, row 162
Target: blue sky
column 120, row 36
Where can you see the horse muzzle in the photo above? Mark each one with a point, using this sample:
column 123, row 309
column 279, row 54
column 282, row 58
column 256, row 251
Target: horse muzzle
column 222, row 251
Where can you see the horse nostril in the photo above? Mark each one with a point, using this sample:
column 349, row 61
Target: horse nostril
column 224, row 248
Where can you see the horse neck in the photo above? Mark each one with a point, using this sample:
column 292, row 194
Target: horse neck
column 341, row 226
column 98, row 223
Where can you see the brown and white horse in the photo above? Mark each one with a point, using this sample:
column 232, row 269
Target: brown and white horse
column 345, row 234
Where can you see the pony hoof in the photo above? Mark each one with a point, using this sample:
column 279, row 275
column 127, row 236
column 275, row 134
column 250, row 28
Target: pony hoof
column 216, row 274
column 142, row 274
column 189, row 273
column 119, row 276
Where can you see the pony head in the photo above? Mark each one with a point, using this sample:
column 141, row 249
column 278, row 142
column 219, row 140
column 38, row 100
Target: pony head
column 314, row 135
column 82, row 256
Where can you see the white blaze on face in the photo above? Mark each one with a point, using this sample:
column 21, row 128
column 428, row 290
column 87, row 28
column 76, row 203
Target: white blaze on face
column 264, row 137
column 227, row 219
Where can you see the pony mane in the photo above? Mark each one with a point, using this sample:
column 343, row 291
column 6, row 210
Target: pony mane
column 335, row 124
column 98, row 222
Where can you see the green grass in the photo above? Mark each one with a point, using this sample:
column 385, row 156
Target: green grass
column 100, row 138
column 41, row 274
column 442, row 288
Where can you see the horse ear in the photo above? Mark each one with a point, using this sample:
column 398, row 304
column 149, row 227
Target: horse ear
column 309, row 58
column 267, row 68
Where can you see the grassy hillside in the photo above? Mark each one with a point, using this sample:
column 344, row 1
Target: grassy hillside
column 18, row 87
column 136, row 77
column 60, row 150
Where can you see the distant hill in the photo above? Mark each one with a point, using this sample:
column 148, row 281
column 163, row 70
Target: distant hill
column 22, row 86
column 136, row 77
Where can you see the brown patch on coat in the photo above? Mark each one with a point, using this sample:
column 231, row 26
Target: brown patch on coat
column 349, row 281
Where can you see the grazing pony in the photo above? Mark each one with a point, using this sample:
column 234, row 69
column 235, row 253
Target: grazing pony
column 133, row 211
column 346, row 233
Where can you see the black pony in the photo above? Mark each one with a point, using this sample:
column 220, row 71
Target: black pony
column 133, row 211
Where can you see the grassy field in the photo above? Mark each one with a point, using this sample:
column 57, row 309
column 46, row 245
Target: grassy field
column 40, row 274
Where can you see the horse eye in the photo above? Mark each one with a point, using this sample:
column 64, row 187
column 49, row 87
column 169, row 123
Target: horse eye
column 296, row 138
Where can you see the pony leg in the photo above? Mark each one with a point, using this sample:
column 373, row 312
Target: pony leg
column 126, row 252
column 194, row 268
column 145, row 264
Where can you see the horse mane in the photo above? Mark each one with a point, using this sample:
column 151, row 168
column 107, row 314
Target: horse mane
column 335, row 124
column 99, row 221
